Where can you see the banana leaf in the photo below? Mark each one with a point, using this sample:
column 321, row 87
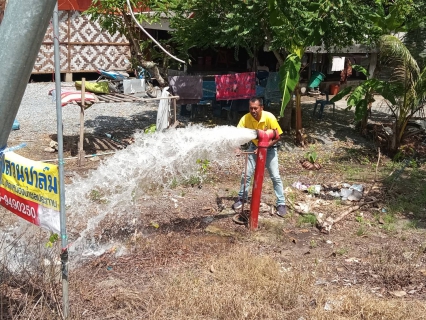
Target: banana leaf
column 289, row 74
column 341, row 94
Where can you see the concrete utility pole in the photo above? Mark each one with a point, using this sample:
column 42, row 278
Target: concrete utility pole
column 21, row 34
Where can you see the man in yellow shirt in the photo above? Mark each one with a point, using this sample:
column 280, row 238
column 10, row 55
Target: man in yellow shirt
column 259, row 119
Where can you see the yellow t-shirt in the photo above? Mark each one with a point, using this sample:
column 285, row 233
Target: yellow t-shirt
column 267, row 121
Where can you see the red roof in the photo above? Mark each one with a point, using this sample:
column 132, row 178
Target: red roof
column 78, row 5
column 83, row 5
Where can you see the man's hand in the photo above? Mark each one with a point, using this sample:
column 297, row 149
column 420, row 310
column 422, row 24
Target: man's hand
column 238, row 152
column 274, row 142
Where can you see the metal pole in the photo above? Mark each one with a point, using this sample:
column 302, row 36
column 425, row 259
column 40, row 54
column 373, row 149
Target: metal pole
column 21, row 34
column 64, row 239
column 81, row 153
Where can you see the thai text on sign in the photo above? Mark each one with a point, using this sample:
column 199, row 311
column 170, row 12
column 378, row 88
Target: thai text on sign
column 30, row 189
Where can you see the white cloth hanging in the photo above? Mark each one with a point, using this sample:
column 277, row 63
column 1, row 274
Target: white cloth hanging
column 163, row 113
column 338, row 64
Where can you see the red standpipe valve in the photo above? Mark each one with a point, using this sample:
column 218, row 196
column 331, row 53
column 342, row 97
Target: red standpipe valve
column 263, row 137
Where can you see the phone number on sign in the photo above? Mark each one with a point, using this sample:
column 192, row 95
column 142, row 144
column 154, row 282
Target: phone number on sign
column 19, row 206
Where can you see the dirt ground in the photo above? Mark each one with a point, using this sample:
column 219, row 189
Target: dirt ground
column 377, row 249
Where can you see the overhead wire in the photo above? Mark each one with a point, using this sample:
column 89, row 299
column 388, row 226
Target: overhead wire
column 151, row 37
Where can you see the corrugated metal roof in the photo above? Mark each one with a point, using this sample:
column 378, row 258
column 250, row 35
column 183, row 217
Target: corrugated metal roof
column 357, row 48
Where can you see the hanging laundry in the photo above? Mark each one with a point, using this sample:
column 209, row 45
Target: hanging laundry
column 188, row 88
column 235, row 86
column 75, row 96
column 163, row 113
column 338, row 64
column 346, row 72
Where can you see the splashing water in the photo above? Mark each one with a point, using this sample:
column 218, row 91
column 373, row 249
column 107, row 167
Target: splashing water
column 154, row 159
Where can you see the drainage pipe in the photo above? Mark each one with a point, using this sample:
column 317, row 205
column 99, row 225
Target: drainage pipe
column 21, row 34
column 263, row 137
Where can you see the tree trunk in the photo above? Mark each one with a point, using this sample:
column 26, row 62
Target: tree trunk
column 394, row 145
column 364, row 121
column 279, row 57
column 150, row 65
column 299, row 130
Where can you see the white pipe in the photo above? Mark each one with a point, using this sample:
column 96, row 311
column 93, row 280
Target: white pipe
column 146, row 32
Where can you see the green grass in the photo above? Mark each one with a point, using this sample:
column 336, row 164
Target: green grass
column 361, row 231
column 408, row 193
column 310, row 219
column 342, row 251
column 413, row 224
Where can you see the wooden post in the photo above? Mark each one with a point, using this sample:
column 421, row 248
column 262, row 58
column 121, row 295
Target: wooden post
column 81, row 155
column 310, row 58
column 174, row 109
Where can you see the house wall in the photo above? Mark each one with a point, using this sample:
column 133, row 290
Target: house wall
column 84, row 46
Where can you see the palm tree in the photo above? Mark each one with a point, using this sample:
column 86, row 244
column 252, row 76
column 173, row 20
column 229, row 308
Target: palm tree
column 408, row 84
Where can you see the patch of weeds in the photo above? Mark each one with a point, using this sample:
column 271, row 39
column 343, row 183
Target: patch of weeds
column 54, row 237
column 273, row 227
column 233, row 193
column 361, row 231
column 413, row 224
column 408, row 193
column 389, row 227
column 97, row 196
column 351, row 172
column 204, row 165
column 389, row 218
column 310, row 219
column 193, row 180
column 338, row 202
column 313, row 244
column 364, row 160
column 174, row 183
column 359, row 219
column 342, row 251
column 291, row 196
column 388, row 222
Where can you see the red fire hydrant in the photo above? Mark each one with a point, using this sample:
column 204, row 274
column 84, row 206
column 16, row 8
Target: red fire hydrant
column 263, row 137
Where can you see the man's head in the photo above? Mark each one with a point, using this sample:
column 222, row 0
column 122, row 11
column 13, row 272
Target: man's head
column 256, row 108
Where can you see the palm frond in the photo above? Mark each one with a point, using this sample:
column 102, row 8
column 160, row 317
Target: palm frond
column 393, row 53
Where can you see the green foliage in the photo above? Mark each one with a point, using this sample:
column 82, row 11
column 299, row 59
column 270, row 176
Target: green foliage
column 332, row 23
column 220, row 23
column 363, row 95
column 54, row 237
column 310, row 219
column 361, row 231
column 151, row 129
column 289, row 73
column 342, row 251
column 113, row 16
column 204, row 165
column 311, row 155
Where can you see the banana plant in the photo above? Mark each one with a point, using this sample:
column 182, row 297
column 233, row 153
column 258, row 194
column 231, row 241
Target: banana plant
column 362, row 97
column 303, row 23
column 405, row 91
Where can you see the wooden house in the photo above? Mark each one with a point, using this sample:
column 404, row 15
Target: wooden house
column 84, row 46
